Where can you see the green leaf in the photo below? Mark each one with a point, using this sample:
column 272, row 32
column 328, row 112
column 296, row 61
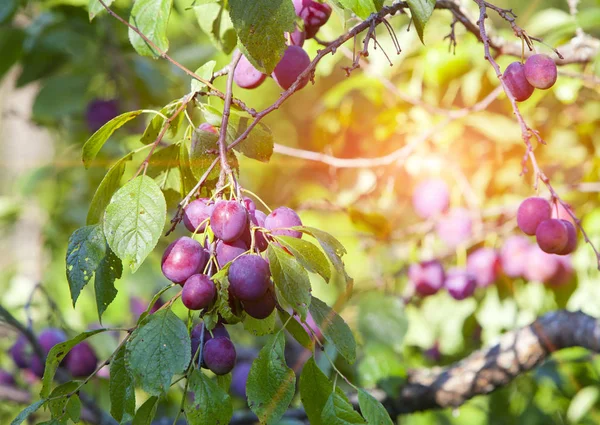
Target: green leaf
column 109, row 270
column 157, row 350
column 362, row 8
column 157, row 122
column 95, row 143
column 371, row 222
column 106, row 189
column 134, row 220
column 86, row 249
column 223, row 306
column 259, row 327
column 163, row 160
column 296, row 330
column 582, row 403
column 188, row 181
column 71, row 405
column 55, row 99
column 334, row 329
column 291, row 279
column 333, row 249
column 373, row 410
column 315, row 389
column 271, row 384
column 259, row 143
column 224, row 381
column 151, row 18
column 146, row 412
column 214, row 20
column 204, row 151
column 210, row 405
column 205, row 72
column 95, row 7
column 338, row 411
column 11, row 46
column 381, row 315
column 7, row 10
column 27, row 411
column 260, row 26
column 121, row 390
column 57, row 354
column 308, row 255
column 420, row 11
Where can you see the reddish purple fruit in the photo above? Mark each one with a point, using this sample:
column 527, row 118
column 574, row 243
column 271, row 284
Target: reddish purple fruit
column 197, row 213
column 541, row 267
column 6, row 378
column 564, row 273
column 513, row 255
column 460, row 284
column 262, row 307
column 249, row 277
column 455, row 228
column 558, row 211
column 99, row 112
column 183, row 258
column 249, row 204
column 239, row 377
column 229, row 220
column 219, row 355
column 311, row 327
column 207, row 127
column 484, row 264
column 293, row 63
column 571, row 238
column 427, row 277
column 218, row 331
column 228, row 251
column 198, row 292
column 296, row 38
column 514, row 78
column 280, row 220
column 81, row 360
column 531, row 213
column 21, row 352
column 47, row 339
column 431, row 198
column 257, row 219
column 552, row 236
column 540, row 71
column 246, row 75
column 313, row 13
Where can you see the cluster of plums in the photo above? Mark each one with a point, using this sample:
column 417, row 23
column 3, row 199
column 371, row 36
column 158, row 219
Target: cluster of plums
column 538, row 72
column 553, row 235
column 81, row 361
column 218, row 352
column 295, row 60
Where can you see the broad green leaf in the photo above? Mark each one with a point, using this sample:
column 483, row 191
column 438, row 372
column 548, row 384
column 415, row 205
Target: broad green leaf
column 211, row 405
column 362, row 8
column 315, row 389
column 420, row 11
column 151, row 18
column 57, row 354
column 11, row 45
column 381, row 315
column 338, row 411
column 260, row 26
column 206, row 72
column 163, row 160
column 121, row 390
column 259, row 143
column 308, row 255
column 291, row 279
column 296, row 330
column 204, row 151
column 109, row 270
column 157, row 122
column 373, row 410
column 259, row 327
column 332, row 248
column 214, row 20
column 95, row 143
column 95, row 7
column 134, row 220
column 224, row 381
column 188, row 181
column 87, row 248
column 71, row 405
column 158, row 349
column 271, row 384
column 582, row 402
column 27, row 411
column 334, row 329
column 106, row 189
column 146, row 412
column 55, row 99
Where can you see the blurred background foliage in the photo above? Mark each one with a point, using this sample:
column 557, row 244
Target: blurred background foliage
column 54, row 63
